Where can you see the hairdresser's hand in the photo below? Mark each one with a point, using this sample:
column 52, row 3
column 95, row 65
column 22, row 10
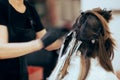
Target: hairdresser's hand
column 53, row 34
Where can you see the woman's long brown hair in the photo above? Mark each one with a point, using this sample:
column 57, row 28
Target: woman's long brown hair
column 104, row 43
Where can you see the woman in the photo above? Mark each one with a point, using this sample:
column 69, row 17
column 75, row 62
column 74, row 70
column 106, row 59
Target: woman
column 92, row 61
column 21, row 33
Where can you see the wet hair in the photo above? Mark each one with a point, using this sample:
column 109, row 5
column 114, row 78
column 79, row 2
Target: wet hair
column 92, row 29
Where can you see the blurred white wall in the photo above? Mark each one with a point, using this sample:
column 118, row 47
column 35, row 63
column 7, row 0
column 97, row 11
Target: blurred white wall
column 115, row 29
column 109, row 4
column 114, row 23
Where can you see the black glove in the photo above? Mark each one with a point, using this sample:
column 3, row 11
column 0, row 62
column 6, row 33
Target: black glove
column 53, row 34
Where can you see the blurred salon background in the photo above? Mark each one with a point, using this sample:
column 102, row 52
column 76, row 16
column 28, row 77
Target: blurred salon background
column 57, row 12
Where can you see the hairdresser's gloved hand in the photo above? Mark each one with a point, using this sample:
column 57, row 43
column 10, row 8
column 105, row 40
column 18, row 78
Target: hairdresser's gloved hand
column 53, row 34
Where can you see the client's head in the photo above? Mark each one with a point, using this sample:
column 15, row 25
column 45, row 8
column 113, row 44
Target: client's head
column 92, row 29
column 93, row 23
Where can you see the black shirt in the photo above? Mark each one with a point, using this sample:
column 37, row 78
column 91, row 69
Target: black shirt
column 21, row 27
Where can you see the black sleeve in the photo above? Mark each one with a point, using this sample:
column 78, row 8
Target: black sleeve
column 3, row 14
column 38, row 24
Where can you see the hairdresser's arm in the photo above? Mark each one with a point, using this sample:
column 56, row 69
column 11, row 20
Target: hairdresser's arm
column 11, row 50
column 54, row 46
